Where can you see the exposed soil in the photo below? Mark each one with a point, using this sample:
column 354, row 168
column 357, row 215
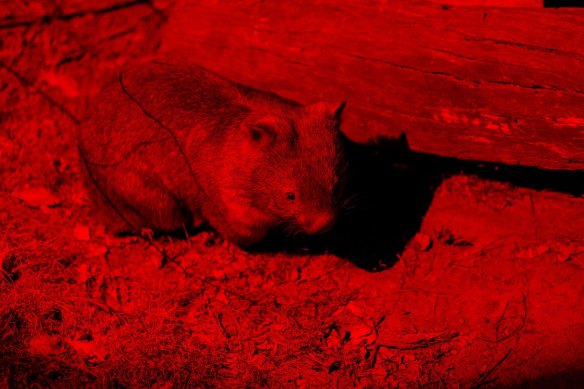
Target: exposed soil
column 488, row 290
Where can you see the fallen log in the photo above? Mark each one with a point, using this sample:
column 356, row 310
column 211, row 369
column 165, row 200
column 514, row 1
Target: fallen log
column 503, row 85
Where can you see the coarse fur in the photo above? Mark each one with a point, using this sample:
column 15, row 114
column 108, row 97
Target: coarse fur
column 170, row 146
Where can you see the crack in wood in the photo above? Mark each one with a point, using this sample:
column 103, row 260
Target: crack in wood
column 413, row 69
column 549, row 87
column 466, row 81
column 449, row 53
column 525, row 46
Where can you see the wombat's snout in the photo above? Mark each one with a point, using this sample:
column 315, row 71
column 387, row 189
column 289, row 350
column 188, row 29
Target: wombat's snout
column 317, row 222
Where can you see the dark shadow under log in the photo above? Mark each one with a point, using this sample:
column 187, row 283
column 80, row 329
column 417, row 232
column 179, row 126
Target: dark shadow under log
column 390, row 188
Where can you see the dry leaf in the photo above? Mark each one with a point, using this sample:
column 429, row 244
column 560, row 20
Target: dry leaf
column 81, row 232
column 36, row 197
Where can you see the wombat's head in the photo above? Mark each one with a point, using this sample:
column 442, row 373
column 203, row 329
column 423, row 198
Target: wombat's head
column 299, row 176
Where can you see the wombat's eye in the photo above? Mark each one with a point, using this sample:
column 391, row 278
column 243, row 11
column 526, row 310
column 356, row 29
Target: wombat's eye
column 290, row 196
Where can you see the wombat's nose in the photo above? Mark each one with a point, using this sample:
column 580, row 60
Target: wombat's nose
column 318, row 222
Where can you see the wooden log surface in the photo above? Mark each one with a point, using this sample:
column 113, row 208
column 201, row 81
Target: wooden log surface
column 482, row 83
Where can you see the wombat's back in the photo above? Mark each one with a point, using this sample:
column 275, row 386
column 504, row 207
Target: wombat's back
column 132, row 108
column 133, row 143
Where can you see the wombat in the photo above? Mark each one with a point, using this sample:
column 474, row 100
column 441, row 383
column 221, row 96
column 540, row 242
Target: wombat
column 171, row 146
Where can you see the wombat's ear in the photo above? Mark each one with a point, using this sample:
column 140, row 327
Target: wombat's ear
column 261, row 130
column 332, row 111
column 339, row 110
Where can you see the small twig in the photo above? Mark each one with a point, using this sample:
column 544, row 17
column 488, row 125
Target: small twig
column 514, row 332
column 187, row 236
column 418, row 344
column 24, row 82
column 484, row 376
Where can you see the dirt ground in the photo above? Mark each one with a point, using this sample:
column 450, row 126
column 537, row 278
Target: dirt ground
column 488, row 291
column 478, row 281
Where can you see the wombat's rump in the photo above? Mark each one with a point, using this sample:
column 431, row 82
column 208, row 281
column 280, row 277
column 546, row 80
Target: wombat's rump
column 171, row 146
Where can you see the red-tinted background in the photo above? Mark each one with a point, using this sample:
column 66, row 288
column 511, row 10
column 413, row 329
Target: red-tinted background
column 485, row 282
